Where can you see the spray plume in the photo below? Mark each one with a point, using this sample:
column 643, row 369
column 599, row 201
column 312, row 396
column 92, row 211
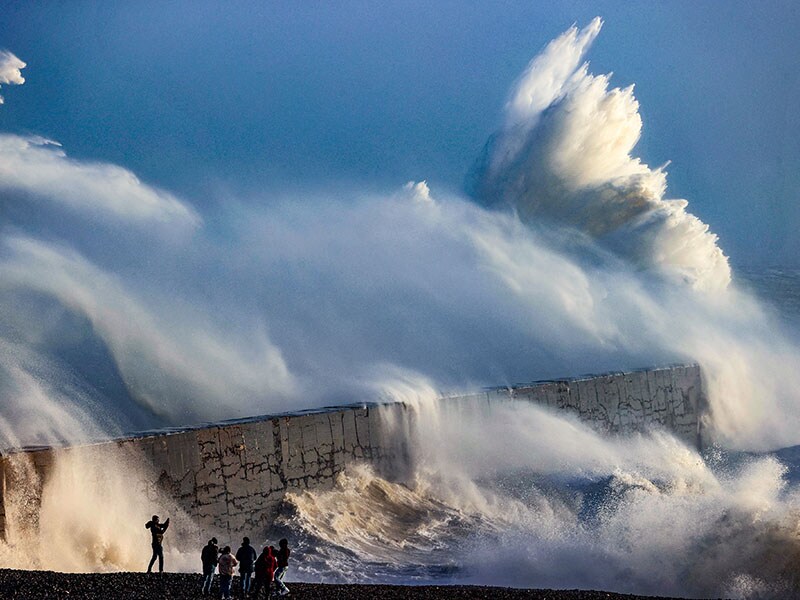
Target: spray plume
column 564, row 157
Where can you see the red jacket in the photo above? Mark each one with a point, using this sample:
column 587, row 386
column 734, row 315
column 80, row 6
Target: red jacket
column 266, row 565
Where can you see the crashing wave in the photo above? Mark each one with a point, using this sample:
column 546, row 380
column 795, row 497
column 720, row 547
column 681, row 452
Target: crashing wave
column 564, row 157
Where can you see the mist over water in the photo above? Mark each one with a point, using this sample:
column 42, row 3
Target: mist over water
column 124, row 307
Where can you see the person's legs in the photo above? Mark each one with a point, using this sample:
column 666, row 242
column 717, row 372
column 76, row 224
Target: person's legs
column 208, row 579
column 245, row 577
column 160, row 559
column 152, row 559
column 225, row 586
column 257, row 585
column 281, row 587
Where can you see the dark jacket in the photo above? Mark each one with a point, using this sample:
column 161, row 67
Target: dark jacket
column 283, row 557
column 157, row 531
column 246, row 555
column 210, row 555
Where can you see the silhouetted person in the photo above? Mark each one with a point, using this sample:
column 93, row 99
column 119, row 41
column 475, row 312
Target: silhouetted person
column 283, row 564
column 246, row 555
column 265, row 571
column 157, row 531
column 209, row 557
column 226, row 565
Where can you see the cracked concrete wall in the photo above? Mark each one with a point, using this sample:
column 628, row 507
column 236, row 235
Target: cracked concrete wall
column 622, row 403
column 232, row 476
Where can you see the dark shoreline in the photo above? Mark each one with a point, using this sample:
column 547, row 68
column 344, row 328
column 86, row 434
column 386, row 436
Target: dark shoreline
column 48, row 585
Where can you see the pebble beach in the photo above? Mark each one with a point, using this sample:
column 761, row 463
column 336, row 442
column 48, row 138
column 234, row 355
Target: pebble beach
column 47, row 585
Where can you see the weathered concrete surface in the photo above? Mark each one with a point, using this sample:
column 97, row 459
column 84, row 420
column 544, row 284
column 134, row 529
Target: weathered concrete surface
column 232, row 476
column 622, row 403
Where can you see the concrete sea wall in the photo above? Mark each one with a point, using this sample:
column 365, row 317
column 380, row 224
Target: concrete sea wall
column 672, row 398
column 232, row 476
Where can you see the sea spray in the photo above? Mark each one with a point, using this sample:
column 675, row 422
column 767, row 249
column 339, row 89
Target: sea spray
column 512, row 494
column 83, row 510
column 564, row 158
column 300, row 312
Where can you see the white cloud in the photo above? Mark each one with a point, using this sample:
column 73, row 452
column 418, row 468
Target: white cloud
column 10, row 70
column 39, row 166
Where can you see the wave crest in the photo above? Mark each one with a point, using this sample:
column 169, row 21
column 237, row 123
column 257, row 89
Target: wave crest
column 564, row 156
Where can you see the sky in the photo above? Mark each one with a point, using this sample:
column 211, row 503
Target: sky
column 255, row 100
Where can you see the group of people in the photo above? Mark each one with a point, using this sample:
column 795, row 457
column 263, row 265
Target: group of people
column 256, row 572
column 265, row 571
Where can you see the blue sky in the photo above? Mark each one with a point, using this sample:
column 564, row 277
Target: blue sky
column 205, row 99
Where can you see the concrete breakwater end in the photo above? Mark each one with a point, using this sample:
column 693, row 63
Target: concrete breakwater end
column 230, row 477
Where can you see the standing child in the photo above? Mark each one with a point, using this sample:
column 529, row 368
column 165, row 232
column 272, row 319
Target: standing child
column 226, row 565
